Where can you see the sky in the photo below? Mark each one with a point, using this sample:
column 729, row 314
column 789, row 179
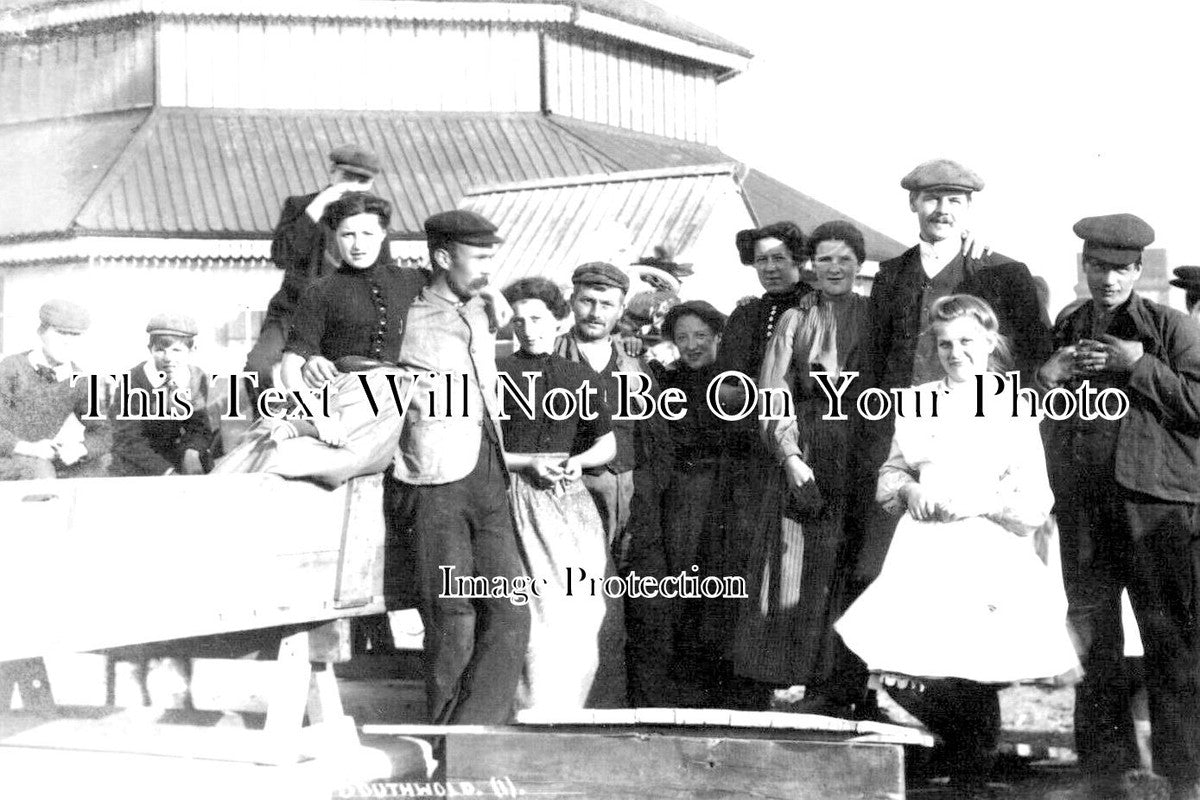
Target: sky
column 1065, row 108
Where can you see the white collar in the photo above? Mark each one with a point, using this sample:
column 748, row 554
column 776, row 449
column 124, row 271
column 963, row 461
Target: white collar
column 37, row 358
column 935, row 256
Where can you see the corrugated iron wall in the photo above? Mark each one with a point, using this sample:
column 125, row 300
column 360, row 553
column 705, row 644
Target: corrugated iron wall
column 63, row 73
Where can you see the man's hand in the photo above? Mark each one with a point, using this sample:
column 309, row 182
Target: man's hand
column 328, row 195
column 191, row 463
column 1119, row 355
column 42, row 448
column 317, row 370
column 974, row 248
column 632, row 346
column 1060, row 367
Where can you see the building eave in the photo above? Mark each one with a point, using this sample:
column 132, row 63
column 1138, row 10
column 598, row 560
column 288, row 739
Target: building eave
column 20, row 20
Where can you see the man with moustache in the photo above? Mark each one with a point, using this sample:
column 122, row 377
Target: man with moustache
column 1128, row 508
column 633, row 478
column 940, row 194
column 446, row 498
column 598, row 301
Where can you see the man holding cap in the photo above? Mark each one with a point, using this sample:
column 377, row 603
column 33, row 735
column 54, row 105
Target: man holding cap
column 446, row 498
column 304, row 250
column 44, row 432
column 1128, row 509
column 174, row 434
column 1188, row 279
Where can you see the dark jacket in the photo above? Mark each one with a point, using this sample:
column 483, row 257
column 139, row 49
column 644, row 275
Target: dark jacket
column 1157, row 447
column 152, row 446
column 298, row 248
column 896, row 313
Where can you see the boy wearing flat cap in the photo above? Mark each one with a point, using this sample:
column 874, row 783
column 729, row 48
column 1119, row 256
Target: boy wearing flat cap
column 446, row 497
column 304, row 249
column 1128, row 508
column 44, row 432
column 168, row 429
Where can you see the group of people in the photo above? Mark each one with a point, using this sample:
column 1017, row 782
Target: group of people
column 892, row 550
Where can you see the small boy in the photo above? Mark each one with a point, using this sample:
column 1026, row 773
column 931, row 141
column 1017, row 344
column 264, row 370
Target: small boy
column 43, row 430
column 167, row 438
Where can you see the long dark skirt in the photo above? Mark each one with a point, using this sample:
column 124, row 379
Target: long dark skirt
column 797, row 573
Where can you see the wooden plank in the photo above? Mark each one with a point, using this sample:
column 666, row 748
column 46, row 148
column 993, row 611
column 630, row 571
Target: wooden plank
column 275, row 563
column 621, row 764
column 360, row 563
column 627, row 766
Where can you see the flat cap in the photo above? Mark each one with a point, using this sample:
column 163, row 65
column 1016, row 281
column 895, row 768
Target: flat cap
column 65, row 316
column 941, row 173
column 598, row 273
column 172, row 324
column 355, row 159
column 1114, row 238
column 460, row 225
column 697, row 308
column 1187, row 278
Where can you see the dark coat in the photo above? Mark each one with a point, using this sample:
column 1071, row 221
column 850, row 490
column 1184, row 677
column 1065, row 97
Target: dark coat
column 1157, row 447
column 298, row 248
column 896, row 313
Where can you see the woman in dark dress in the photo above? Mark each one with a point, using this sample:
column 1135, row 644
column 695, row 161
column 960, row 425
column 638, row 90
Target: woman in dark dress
column 777, row 254
column 689, row 511
column 351, row 321
column 556, row 518
column 785, row 635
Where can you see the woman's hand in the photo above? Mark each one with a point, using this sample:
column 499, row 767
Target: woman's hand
column 798, row 473
column 331, row 431
column 572, row 469
column 923, row 505
column 317, row 370
column 546, row 471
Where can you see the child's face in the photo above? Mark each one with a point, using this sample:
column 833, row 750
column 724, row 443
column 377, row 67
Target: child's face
column 963, row 347
column 171, row 357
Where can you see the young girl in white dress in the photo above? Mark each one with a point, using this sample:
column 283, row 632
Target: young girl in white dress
column 963, row 602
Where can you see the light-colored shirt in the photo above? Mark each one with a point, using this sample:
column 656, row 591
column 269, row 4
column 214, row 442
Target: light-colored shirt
column 935, row 256
column 450, row 351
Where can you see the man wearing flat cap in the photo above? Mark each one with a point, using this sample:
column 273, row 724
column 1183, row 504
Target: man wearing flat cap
column 940, row 194
column 1188, row 279
column 446, row 496
column 632, row 479
column 304, row 250
column 1127, row 500
column 166, row 429
column 44, row 429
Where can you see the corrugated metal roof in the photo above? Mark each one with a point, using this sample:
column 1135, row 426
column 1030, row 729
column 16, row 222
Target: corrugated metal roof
column 180, row 172
column 773, row 200
column 770, row 200
column 220, row 172
column 550, row 227
column 51, row 168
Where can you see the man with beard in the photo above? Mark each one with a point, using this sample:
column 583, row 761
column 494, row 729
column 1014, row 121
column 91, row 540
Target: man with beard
column 446, row 498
